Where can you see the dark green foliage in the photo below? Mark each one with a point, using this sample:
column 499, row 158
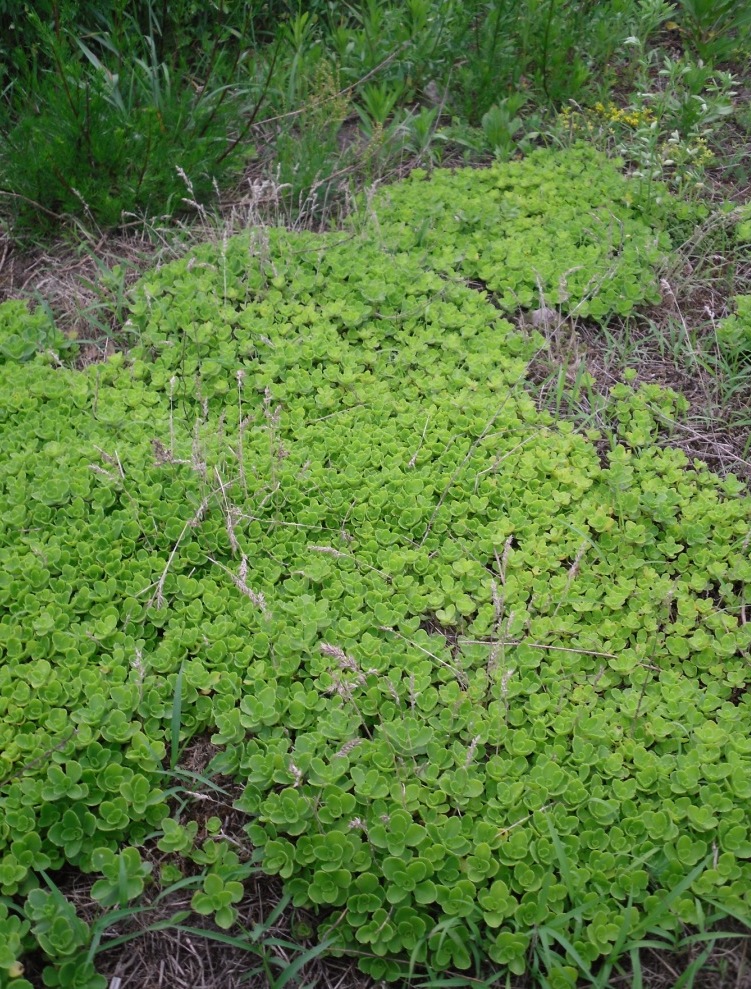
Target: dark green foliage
column 480, row 679
column 184, row 30
column 103, row 103
column 716, row 30
column 555, row 49
column 102, row 132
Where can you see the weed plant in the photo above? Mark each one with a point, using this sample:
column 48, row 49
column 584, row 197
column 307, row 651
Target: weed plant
column 669, row 131
column 105, row 132
column 717, row 30
column 483, row 680
column 103, row 105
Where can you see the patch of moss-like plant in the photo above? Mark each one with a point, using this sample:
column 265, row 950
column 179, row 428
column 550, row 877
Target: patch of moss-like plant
column 475, row 677
column 24, row 332
column 562, row 228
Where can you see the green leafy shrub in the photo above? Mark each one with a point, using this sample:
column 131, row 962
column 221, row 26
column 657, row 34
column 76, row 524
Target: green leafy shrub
column 502, row 131
column 102, row 131
column 665, row 133
column 553, row 49
column 717, row 30
column 563, row 228
column 478, row 679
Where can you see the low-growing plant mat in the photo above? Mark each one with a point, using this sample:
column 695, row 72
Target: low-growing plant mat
column 574, row 374
column 484, row 685
column 560, row 227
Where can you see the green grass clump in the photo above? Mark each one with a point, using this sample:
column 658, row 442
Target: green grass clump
column 480, row 681
column 103, row 125
column 562, row 228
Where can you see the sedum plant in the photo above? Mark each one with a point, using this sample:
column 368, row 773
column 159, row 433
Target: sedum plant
column 734, row 332
column 24, row 332
column 480, row 674
column 557, row 227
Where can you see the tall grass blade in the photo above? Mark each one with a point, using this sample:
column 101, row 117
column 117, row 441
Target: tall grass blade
column 177, row 713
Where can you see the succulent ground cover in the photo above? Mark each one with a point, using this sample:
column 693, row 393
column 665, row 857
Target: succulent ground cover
column 562, row 229
column 483, row 677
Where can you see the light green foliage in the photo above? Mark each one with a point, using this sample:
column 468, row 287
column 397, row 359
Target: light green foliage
column 743, row 229
column 12, row 931
column 24, row 332
column 478, row 677
column 734, row 333
column 57, row 929
column 566, row 226
column 124, row 876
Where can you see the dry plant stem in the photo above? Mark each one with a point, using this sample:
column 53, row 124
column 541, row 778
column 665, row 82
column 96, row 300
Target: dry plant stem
column 461, row 677
column 238, row 580
column 240, row 375
column 573, row 571
column 40, row 759
column 330, row 551
column 497, row 649
column 725, row 448
column 499, row 460
column 157, row 599
column 32, row 202
column 489, row 425
column 502, row 832
column 535, row 645
column 668, row 290
column 413, row 458
column 230, row 513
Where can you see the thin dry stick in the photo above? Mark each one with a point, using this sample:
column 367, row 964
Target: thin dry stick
column 638, row 706
column 240, row 375
column 413, row 458
column 573, row 571
column 238, row 579
column 338, row 412
column 158, row 596
column 459, row 674
column 499, row 605
column 502, row 832
column 40, row 759
column 330, row 551
column 293, row 525
column 33, row 202
column 499, row 460
column 503, row 562
column 230, row 513
column 688, row 429
column 461, row 467
column 537, row 645
column 667, row 288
